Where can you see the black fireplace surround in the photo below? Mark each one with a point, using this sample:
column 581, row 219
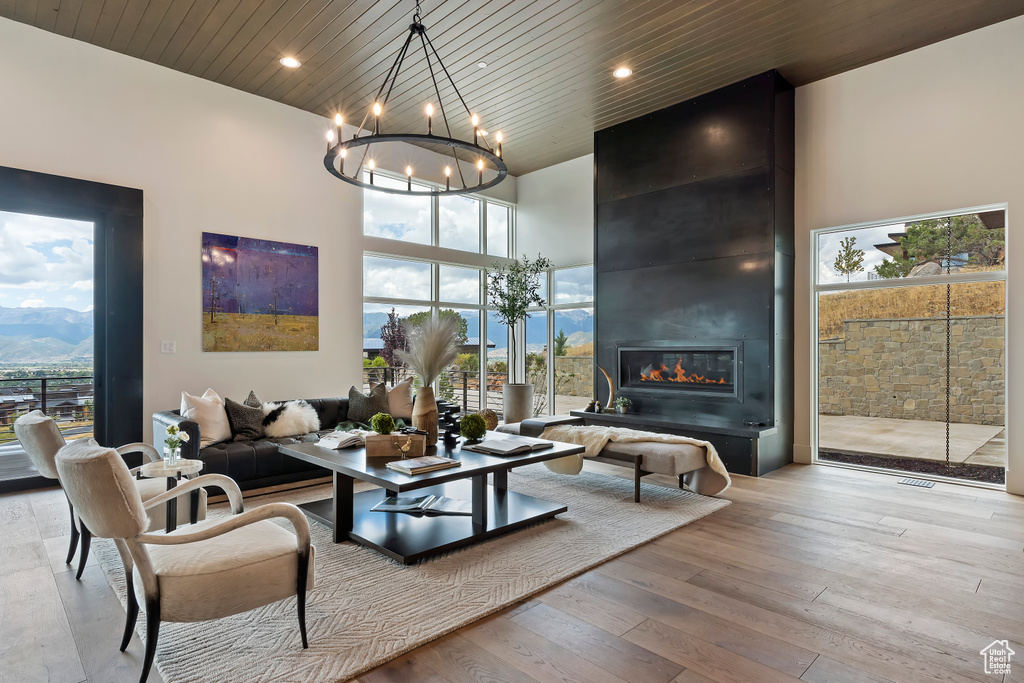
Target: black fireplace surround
column 694, row 270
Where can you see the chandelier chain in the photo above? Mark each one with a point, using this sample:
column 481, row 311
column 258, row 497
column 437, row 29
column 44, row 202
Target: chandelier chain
column 479, row 147
column 440, row 103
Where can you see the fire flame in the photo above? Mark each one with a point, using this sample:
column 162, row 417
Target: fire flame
column 663, row 374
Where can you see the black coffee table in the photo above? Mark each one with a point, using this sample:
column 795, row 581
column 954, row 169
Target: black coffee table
column 409, row 538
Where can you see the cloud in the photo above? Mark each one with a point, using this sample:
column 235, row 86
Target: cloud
column 19, row 264
column 88, row 308
column 29, row 229
column 33, row 303
column 83, row 285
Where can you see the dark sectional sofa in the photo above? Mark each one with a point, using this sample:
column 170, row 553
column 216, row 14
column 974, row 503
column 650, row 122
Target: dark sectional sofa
column 255, row 464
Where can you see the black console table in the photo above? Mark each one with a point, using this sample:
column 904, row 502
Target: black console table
column 744, row 449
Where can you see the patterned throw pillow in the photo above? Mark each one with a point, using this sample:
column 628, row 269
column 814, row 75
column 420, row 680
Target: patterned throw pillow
column 362, row 407
column 253, row 401
column 246, row 421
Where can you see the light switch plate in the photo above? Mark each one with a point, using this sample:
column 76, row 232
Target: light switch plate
column 168, row 347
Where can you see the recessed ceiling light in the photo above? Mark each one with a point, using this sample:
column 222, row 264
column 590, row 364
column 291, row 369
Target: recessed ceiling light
column 481, row 65
column 290, row 62
column 622, row 72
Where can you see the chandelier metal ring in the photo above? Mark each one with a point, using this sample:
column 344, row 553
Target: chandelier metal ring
column 497, row 164
column 480, row 152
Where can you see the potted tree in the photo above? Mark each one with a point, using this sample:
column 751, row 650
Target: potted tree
column 512, row 289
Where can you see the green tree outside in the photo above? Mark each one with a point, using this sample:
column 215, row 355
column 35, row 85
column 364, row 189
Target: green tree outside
column 850, row 259
column 560, row 341
column 970, row 244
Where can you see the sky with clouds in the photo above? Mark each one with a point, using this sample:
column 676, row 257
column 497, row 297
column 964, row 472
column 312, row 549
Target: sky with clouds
column 866, row 239
column 45, row 262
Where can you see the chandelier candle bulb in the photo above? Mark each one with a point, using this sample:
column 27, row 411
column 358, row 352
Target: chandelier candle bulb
column 497, row 138
column 371, row 138
column 330, row 140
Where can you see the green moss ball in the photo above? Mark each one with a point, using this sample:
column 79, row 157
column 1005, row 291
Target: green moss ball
column 382, row 423
column 473, row 426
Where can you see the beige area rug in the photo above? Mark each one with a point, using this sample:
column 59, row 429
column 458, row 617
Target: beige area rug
column 367, row 609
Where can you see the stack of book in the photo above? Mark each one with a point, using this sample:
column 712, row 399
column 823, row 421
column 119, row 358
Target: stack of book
column 425, row 505
column 427, row 463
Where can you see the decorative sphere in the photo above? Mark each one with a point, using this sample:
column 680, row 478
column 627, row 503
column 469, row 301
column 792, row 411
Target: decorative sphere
column 473, row 426
column 490, row 417
column 382, row 423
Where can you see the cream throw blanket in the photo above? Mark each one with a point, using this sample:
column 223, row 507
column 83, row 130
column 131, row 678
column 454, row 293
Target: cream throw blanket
column 594, row 438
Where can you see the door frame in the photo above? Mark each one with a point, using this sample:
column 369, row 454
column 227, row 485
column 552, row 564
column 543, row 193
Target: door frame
column 952, row 278
column 117, row 213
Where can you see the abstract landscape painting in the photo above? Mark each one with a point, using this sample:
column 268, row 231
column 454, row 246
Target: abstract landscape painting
column 259, row 295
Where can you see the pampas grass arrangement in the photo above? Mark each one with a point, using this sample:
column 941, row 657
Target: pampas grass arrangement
column 431, row 348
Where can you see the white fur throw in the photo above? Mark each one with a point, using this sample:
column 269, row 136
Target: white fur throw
column 289, row 418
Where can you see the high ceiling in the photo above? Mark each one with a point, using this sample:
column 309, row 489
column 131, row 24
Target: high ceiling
column 547, row 85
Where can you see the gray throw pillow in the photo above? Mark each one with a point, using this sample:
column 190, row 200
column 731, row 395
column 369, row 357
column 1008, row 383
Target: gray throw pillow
column 253, row 401
column 246, row 421
column 362, row 407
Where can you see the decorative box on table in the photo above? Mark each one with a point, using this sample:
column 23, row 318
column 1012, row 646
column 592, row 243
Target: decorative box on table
column 391, row 445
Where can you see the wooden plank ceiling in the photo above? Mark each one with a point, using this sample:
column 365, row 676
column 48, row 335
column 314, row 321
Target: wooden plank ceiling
column 547, row 85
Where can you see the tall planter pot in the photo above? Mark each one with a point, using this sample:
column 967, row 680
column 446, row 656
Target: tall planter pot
column 518, row 402
column 424, row 413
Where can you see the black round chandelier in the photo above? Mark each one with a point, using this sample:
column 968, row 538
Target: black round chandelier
column 454, row 153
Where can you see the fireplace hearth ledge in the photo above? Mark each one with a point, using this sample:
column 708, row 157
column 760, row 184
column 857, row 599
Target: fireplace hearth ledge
column 709, row 426
column 745, row 449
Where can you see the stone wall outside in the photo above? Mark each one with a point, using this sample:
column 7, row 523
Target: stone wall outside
column 582, row 369
column 896, row 368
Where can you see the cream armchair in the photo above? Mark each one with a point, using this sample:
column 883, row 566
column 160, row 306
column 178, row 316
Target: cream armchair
column 209, row 570
column 41, row 439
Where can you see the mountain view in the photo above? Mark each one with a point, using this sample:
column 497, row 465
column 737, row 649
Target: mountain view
column 45, row 335
column 578, row 325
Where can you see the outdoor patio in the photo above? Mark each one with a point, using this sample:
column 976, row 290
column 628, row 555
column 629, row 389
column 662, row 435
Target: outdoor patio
column 916, row 439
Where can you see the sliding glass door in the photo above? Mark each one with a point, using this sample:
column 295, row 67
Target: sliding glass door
column 911, row 346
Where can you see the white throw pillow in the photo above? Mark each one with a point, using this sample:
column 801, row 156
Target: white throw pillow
column 208, row 411
column 400, row 400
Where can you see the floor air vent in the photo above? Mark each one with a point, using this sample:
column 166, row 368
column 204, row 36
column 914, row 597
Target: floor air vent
column 917, row 482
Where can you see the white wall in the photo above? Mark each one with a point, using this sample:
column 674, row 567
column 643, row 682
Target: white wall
column 208, row 158
column 933, row 130
column 555, row 214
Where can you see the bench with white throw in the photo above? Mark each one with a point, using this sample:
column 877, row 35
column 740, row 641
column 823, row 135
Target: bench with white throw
column 694, row 462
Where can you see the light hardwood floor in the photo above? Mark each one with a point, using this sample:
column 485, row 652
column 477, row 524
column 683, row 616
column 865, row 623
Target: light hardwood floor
column 814, row 573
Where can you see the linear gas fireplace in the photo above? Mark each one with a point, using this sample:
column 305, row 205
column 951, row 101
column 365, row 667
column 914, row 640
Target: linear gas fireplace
column 703, row 370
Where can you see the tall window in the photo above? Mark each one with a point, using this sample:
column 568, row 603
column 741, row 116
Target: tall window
column 461, row 222
column 402, row 290
column 560, row 342
column 910, row 361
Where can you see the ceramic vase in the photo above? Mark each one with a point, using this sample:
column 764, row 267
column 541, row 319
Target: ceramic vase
column 424, row 413
column 517, row 400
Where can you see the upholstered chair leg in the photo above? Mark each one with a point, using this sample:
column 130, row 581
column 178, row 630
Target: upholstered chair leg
column 301, row 595
column 152, row 633
column 131, row 614
column 83, row 556
column 74, row 534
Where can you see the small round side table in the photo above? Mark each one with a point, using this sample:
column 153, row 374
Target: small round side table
column 174, row 474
